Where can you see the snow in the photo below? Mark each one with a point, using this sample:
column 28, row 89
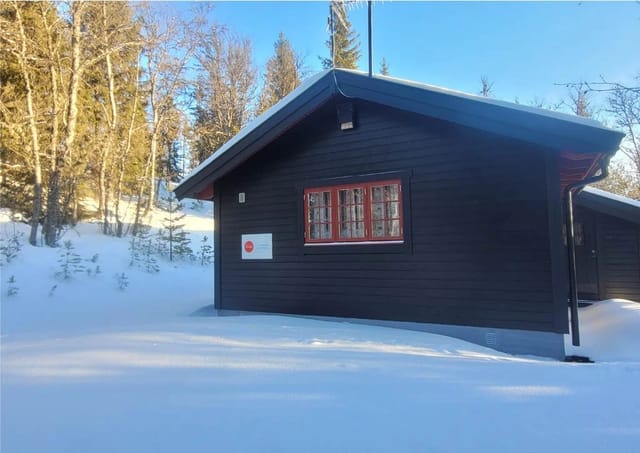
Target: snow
column 92, row 368
column 307, row 83
column 612, row 196
column 486, row 100
column 249, row 127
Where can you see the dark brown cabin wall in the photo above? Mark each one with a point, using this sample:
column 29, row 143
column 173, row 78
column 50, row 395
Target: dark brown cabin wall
column 478, row 222
column 619, row 247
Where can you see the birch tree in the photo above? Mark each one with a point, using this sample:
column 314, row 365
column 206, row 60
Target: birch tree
column 169, row 46
column 225, row 89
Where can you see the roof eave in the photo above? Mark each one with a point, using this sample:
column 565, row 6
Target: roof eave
column 260, row 134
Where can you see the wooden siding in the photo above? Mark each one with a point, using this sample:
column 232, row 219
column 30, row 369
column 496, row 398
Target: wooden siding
column 619, row 258
column 476, row 226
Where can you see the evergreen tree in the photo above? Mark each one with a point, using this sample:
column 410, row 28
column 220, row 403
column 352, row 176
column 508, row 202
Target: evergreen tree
column 283, row 74
column 205, row 254
column 143, row 250
column 384, row 67
column 344, row 44
column 173, row 241
column 70, row 262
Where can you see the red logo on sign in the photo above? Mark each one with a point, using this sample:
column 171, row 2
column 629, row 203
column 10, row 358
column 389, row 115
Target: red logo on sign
column 248, row 246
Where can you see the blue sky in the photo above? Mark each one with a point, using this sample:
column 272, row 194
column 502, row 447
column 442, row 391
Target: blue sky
column 523, row 47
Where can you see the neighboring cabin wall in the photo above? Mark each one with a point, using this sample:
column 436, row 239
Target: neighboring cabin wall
column 478, row 216
column 619, row 258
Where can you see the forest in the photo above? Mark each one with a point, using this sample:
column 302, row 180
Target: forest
column 104, row 101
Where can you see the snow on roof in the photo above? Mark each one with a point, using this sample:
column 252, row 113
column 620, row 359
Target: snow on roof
column 475, row 97
column 256, row 122
column 261, row 119
column 612, row 196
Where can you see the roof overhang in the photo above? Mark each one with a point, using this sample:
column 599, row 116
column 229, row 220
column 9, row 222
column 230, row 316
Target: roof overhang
column 568, row 134
column 611, row 204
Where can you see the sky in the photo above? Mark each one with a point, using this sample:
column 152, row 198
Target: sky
column 524, row 48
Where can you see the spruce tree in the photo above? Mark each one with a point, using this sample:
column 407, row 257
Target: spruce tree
column 384, row 67
column 283, row 74
column 344, row 49
column 173, row 241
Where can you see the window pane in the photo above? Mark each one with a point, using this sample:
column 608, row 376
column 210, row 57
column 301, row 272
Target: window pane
column 578, row 233
column 393, row 228
column 319, row 211
column 385, row 211
column 351, row 213
column 392, row 210
column 326, row 231
column 377, row 211
column 391, row 192
column 377, row 229
column 377, row 194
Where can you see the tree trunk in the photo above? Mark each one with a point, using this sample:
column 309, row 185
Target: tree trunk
column 112, row 123
column 52, row 222
column 123, row 157
column 33, row 128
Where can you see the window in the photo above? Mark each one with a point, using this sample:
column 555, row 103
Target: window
column 362, row 212
column 578, row 233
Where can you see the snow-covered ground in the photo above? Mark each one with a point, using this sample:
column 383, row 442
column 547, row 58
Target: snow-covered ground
column 87, row 367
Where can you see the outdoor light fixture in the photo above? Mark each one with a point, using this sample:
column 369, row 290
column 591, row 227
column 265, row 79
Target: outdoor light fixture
column 345, row 116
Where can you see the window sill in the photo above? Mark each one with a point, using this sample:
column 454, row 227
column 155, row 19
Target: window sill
column 356, row 248
column 349, row 243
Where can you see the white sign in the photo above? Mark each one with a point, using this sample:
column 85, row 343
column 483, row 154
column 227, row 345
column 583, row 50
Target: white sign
column 257, row 246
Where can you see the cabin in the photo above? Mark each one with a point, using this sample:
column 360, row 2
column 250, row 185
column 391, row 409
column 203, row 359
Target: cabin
column 607, row 238
column 404, row 204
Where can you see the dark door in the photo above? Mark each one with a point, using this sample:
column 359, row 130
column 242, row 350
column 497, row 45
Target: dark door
column 586, row 257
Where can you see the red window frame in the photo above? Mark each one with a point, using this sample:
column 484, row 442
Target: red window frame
column 367, row 204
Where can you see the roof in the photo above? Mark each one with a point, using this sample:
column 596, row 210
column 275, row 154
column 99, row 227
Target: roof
column 555, row 130
column 610, row 204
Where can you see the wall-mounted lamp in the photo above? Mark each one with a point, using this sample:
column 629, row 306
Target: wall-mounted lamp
column 345, row 116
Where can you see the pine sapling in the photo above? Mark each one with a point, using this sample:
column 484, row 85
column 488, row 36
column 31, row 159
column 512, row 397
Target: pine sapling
column 70, row 262
column 10, row 246
column 149, row 262
column 176, row 240
column 122, row 281
column 205, row 254
column 94, row 268
column 12, row 288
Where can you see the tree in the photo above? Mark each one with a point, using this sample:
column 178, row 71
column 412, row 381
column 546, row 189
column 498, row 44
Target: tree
column 580, row 100
column 284, row 71
column 487, row 87
column 173, row 240
column 16, row 42
column 117, row 29
column 621, row 180
column 224, row 92
column 169, row 46
column 343, row 44
column 384, row 67
column 624, row 106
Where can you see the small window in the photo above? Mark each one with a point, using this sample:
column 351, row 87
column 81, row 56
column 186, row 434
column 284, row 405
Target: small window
column 578, row 233
column 354, row 213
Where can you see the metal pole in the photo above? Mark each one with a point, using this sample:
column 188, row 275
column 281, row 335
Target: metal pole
column 369, row 4
column 573, row 286
column 571, row 246
column 333, row 46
